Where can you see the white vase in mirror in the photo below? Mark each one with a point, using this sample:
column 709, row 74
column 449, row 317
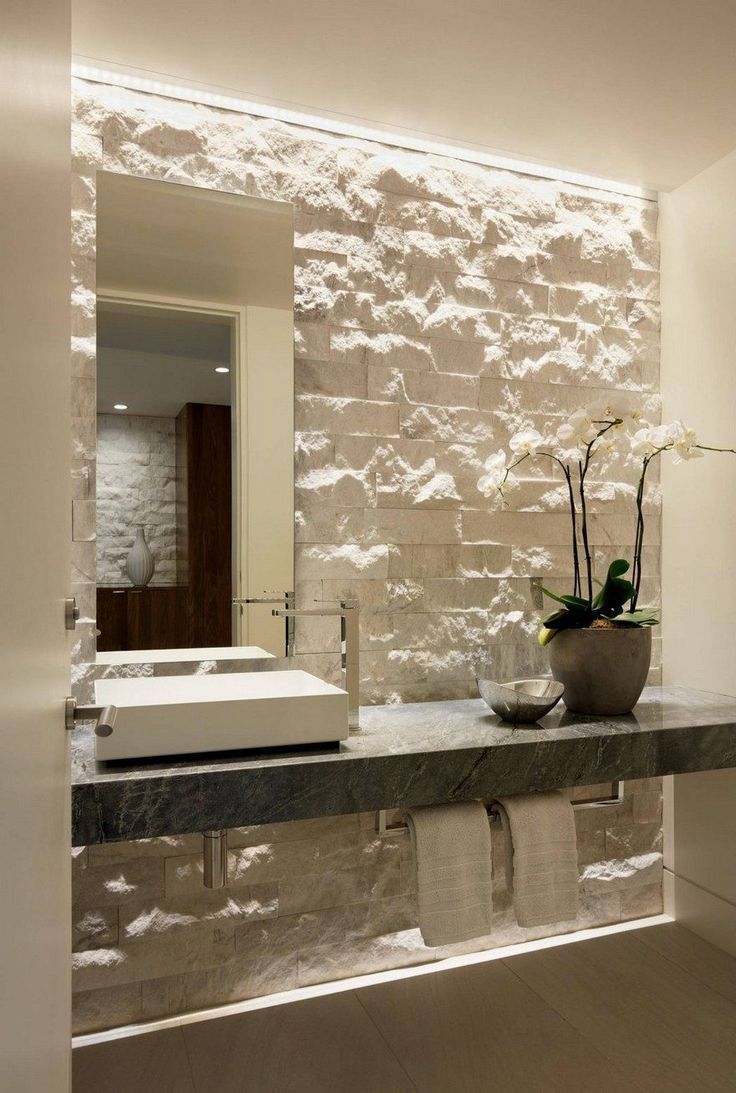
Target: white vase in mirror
column 140, row 565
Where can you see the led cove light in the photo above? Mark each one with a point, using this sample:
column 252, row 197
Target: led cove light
column 120, row 406
column 86, row 68
column 221, row 368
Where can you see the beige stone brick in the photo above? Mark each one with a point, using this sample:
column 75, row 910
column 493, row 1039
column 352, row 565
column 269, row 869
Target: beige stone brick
column 432, row 388
column 106, row 1007
column 333, row 378
column 317, row 560
column 647, row 807
column 462, row 357
column 83, row 520
column 640, row 902
column 359, row 957
column 247, row 866
column 343, row 415
column 590, row 304
column 119, row 883
column 165, row 847
column 637, row 838
column 112, row 967
column 242, row 977
column 291, row 932
column 196, row 912
column 94, row 928
column 400, row 526
column 295, row 831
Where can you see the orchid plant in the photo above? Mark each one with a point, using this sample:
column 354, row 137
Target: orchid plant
column 611, row 426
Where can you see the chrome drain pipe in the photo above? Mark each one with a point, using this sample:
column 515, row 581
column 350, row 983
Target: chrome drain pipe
column 215, row 858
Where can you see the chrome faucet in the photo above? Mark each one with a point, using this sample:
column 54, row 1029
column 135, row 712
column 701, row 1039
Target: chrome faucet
column 287, row 599
column 349, row 613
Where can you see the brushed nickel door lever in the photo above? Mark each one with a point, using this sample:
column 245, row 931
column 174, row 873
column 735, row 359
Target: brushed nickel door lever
column 103, row 716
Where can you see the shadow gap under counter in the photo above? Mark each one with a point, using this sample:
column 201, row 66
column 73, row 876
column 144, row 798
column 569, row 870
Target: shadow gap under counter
column 403, row 755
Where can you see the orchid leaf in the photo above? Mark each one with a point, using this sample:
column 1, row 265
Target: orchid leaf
column 645, row 616
column 556, row 620
column 575, row 602
column 615, row 591
column 551, row 595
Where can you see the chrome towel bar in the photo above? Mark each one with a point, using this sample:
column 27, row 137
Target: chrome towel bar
column 614, row 798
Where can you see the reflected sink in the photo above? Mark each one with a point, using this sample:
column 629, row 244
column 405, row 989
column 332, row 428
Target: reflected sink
column 173, row 656
column 179, row 715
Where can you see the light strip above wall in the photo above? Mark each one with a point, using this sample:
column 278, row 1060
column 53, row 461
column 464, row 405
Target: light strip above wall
column 169, row 87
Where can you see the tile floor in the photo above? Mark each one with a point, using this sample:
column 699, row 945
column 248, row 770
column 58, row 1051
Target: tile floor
column 644, row 1011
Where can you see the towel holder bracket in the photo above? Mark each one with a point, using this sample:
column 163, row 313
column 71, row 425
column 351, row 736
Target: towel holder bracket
column 616, row 796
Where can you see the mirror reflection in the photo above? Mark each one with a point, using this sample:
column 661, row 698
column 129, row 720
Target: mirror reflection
column 194, row 420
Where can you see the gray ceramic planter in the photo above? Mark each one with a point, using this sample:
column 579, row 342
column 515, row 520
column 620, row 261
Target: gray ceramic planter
column 603, row 671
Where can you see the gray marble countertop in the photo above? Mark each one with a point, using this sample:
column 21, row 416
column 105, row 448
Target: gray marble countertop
column 422, row 753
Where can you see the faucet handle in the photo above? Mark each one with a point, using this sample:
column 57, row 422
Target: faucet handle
column 266, row 597
column 345, row 604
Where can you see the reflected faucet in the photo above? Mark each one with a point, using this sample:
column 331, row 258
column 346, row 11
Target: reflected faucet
column 349, row 613
column 287, row 599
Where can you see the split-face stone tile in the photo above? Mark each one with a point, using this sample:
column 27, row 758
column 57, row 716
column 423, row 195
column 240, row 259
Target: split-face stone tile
column 440, row 307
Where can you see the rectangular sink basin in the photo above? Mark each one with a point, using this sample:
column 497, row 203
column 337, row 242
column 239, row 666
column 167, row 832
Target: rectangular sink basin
column 180, row 715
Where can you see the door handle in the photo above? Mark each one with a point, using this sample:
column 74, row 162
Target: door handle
column 103, row 716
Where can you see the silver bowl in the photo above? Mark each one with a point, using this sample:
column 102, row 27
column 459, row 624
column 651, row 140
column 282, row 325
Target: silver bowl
column 521, row 701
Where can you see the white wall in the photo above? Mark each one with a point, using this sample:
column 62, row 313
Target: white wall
column 36, row 507
column 698, row 237
column 267, row 532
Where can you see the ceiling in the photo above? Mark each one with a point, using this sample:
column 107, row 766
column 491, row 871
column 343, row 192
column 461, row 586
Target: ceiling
column 155, row 361
column 641, row 91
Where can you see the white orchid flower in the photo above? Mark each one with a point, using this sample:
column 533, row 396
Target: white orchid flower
column 496, row 474
column 608, row 444
column 618, row 405
column 496, row 461
column 612, row 406
column 526, row 442
column 641, row 445
column 650, row 439
column 578, row 432
column 686, row 444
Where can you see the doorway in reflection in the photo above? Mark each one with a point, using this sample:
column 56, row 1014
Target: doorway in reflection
column 164, row 477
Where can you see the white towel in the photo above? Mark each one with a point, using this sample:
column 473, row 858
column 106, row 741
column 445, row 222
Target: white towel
column 452, row 851
column 540, row 839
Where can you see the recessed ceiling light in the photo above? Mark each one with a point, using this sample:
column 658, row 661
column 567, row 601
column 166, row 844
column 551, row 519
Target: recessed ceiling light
column 222, row 368
column 120, row 406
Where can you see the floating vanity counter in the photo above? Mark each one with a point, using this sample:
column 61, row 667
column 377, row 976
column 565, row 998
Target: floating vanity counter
column 403, row 755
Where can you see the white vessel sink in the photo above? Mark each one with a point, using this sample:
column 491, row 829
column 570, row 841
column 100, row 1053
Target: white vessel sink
column 179, row 715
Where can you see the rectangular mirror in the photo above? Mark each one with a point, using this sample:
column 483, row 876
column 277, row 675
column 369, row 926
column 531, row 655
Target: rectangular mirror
column 195, row 426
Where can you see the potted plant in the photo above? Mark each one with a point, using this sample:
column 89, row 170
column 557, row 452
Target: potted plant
column 599, row 638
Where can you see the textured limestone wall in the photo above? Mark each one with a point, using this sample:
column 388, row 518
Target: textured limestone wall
column 136, row 484
column 308, row 902
column 440, row 306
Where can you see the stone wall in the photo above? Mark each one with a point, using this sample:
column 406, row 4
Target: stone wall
column 308, row 902
column 439, row 307
column 136, row 484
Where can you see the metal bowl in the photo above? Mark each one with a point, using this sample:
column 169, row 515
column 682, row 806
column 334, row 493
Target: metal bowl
column 521, row 701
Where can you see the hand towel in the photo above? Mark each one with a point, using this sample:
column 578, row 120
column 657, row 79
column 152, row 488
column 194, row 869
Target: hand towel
column 540, row 841
column 452, row 852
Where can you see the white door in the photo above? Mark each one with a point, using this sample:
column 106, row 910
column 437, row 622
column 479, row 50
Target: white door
column 35, row 539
